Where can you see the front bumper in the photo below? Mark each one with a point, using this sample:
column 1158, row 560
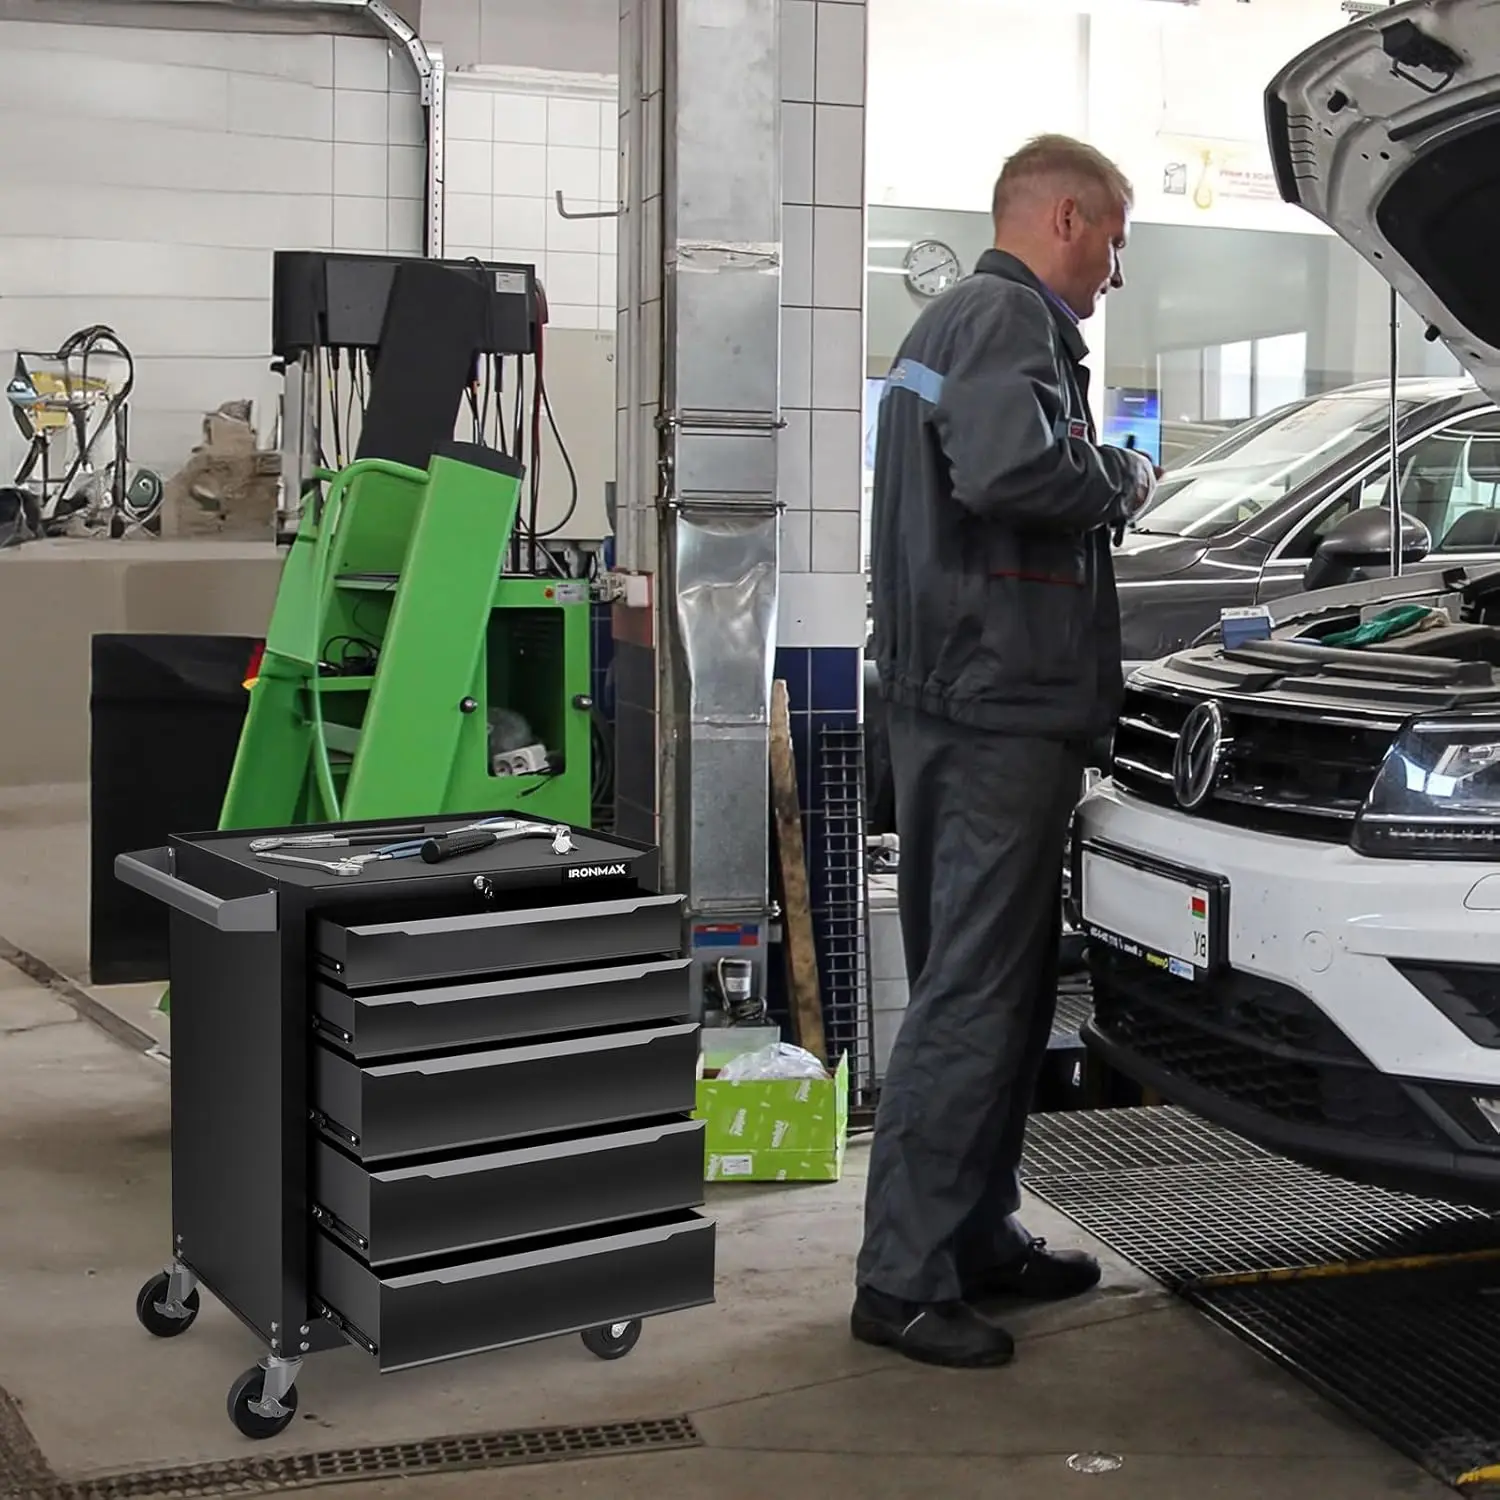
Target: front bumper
column 1355, row 1022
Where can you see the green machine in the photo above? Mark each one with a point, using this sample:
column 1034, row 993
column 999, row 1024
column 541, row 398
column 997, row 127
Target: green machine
column 404, row 674
column 417, row 661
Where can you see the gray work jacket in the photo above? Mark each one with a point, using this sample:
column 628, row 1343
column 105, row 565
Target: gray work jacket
column 993, row 588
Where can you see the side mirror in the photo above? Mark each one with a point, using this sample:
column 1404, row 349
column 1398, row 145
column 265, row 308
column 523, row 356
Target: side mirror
column 1363, row 540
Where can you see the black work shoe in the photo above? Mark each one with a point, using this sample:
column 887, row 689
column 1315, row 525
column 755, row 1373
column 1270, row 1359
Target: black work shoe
column 1040, row 1275
column 938, row 1333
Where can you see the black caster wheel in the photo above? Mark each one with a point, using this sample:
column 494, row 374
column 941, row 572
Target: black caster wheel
column 250, row 1387
column 613, row 1341
column 153, row 1319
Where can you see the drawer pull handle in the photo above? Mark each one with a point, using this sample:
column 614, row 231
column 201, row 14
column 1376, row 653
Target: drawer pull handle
column 509, row 1055
column 569, row 979
column 589, row 1146
column 582, row 912
column 580, row 1251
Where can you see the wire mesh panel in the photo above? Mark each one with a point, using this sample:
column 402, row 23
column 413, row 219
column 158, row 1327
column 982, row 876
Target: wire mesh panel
column 847, row 1021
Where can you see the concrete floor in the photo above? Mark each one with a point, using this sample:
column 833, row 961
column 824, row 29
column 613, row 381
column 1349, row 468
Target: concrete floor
column 785, row 1402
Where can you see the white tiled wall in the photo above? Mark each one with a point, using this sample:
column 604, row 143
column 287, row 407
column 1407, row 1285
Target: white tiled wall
column 188, row 157
column 823, row 294
column 515, row 139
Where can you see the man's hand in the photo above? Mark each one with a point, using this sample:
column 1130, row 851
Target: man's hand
column 1146, row 474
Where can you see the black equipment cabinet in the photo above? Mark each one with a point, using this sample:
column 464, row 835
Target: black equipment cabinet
column 428, row 1109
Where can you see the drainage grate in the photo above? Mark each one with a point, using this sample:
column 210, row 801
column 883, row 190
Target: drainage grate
column 23, row 1469
column 1069, row 1144
column 1182, row 1199
column 1413, row 1354
column 295, row 1471
column 1075, row 1004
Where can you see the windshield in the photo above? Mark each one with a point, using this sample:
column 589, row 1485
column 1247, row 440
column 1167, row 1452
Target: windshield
column 1248, row 472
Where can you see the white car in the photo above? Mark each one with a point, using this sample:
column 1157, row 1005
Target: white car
column 1290, row 878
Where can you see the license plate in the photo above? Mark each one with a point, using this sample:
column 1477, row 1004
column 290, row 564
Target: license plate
column 1170, row 918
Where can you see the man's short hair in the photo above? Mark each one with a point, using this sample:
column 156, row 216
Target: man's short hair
column 1061, row 166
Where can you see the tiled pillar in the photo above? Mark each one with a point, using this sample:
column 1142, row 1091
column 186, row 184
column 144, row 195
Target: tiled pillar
column 823, row 590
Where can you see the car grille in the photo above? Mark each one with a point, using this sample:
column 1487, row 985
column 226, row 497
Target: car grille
column 1296, row 776
column 1261, row 1046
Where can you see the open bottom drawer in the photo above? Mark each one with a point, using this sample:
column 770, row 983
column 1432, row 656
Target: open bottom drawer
column 434, row 1315
column 558, row 1187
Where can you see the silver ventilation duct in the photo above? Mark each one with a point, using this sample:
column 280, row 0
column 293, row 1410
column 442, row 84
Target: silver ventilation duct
column 699, row 386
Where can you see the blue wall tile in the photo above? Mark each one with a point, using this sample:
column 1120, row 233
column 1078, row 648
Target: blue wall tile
column 835, row 678
column 794, row 666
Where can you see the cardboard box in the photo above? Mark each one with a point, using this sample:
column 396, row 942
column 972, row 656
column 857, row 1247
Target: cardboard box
column 776, row 1130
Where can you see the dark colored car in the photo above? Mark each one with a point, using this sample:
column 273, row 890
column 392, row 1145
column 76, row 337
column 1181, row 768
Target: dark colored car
column 1299, row 500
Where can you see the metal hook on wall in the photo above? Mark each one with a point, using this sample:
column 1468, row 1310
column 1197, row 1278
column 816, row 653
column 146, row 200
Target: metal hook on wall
column 567, row 213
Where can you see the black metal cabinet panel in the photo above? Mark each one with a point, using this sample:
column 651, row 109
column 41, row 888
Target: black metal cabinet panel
column 536, row 1292
column 365, row 955
column 373, row 1024
column 455, row 1103
column 468, row 1203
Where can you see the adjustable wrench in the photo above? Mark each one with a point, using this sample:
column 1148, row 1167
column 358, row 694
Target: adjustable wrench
column 333, row 866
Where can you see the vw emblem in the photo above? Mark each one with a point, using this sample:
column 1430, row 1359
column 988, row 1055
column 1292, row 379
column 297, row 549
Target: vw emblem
column 1200, row 752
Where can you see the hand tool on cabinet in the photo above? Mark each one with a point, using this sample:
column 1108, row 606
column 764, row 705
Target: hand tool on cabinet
column 462, row 841
column 332, row 866
column 337, row 840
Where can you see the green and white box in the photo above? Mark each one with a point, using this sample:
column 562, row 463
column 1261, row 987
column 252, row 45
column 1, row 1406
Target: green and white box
column 775, row 1130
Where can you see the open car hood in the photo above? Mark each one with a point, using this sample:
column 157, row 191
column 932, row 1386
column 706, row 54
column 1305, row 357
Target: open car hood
column 1388, row 131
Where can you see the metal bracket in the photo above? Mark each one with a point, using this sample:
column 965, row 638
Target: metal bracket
column 568, row 213
column 280, row 1377
column 348, row 1331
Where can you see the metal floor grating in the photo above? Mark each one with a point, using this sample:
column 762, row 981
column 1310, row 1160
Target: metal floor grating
column 1412, row 1354
column 1074, row 1005
column 264, row 1473
column 1182, row 1199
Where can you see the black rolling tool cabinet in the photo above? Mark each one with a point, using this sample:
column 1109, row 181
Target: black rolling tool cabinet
column 429, row 1109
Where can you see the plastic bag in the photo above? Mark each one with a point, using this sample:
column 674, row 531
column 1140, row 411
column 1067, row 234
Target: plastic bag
column 781, row 1060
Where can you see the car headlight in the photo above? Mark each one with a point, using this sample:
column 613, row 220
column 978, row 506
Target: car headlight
column 1437, row 794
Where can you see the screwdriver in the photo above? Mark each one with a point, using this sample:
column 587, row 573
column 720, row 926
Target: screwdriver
column 445, row 846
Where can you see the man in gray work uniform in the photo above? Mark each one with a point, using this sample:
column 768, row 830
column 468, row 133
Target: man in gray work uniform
column 997, row 640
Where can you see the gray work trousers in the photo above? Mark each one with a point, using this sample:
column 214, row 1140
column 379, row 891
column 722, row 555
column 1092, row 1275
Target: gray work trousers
column 983, row 820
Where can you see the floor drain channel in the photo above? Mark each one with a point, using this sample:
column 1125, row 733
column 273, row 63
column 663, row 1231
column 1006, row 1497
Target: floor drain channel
column 264, row 1473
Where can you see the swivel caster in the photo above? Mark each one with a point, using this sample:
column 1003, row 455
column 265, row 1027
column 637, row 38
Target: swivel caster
column 263, row 1401
column 167, row 1304
column 613, row 1341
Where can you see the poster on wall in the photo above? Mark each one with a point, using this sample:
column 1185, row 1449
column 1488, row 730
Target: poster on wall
column 1132, row 419
column 1206, row 172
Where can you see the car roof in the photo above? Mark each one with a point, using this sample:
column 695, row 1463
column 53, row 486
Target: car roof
column 1415, row 388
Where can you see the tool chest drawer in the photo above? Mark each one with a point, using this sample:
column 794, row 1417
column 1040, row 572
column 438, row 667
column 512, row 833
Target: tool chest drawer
column 539, row 1291
column 385, row 1023
column 567, row 935
column 468, row 1203
column 452, row 1103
